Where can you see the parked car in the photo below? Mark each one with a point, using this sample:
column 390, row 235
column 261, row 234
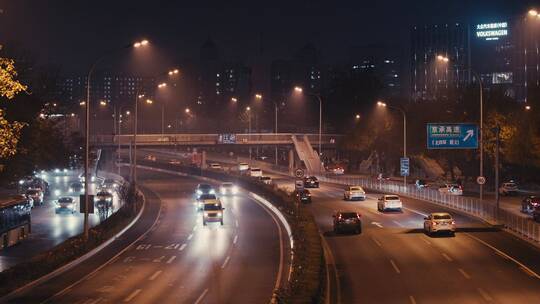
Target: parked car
column 302, row 196
column 347, row 221
column 354, row 193
column 265, row 180
column 65, row 204
column 509, row 188
column 36, row 195
column 439, row 222
column 243, row 167
column 451, row 189
column 255, row 172
column 311, row 182
column 389, row 202
column 529, row 203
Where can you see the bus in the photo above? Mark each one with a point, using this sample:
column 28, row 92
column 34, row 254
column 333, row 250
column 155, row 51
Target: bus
column 15, row 220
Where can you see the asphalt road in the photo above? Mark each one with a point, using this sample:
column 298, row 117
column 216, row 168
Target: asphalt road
column 49, row 228
column 182, row 261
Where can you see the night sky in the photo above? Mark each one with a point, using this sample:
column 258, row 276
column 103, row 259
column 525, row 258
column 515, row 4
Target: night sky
column 73, row 33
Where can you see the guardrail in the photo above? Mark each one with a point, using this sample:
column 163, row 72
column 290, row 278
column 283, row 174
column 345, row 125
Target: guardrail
column 524, row 227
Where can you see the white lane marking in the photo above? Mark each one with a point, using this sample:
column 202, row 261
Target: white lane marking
column 182, row 247
column 417, row 212
column 158, row 246
column 412, row 299
column 96, row 301
column 176, row 246
column 236, row 223
column 155, row 275
column 201, row 297
column 447, row 257
column 377, row 242
column 398, row 223
column 158, row 260
column 484, row 295
column 395, row 266
column 171, row 259
column 128, row 259
column 132, row 295
column 426, row 241
column 377, row 224
column 190, row 237
column 225, row 263
column 235, row 239
column 505, row 255
column 465, row 274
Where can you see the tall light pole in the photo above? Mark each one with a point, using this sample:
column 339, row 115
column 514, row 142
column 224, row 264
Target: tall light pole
column 248, row 110
column 319, row 98
column 161, row 86
column 137, row 44
column 260, row 97
column 384, row 105
column 445, row 59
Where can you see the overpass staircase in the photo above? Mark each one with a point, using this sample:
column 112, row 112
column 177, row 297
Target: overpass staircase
column 307, row 154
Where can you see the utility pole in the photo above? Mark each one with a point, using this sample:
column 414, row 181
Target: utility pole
column 497, row 145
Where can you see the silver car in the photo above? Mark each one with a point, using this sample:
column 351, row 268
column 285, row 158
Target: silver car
column 438, row 222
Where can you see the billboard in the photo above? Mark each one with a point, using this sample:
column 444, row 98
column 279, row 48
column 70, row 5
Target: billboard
column 492, row 31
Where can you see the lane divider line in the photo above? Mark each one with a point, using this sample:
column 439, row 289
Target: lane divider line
column 201, row 297
column 226, row 262
column 398, row 223
column 155, row 275
column 190, row 236
column 171, row 259
column 132, row 295
column 465, row 274
column 395, row 266
column 376, row 242
column 484, row 295
column 447, row 257
column 182, row 247
column 412, row 299
column 235, row 239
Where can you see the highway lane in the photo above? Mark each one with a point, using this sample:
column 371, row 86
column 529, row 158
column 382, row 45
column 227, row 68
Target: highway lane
column 393, row 261
column 182, row 261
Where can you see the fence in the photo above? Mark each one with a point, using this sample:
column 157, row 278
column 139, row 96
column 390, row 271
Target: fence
column 524, row 227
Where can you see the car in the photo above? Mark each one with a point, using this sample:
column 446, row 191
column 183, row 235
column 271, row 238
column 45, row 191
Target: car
column 204, row 189
column 104, row 195
column 228, row 188
column 302, row 196
column 60, row 172
column 354, row 193
column 215, row 166
column 265, row 180
column 205, row 198
column 451, row 189
column 421, row 184
column 243, row 167
column 76, row 187
column 439, row 222
column 311, row 182
column 337, row 170
column 175, row 162
column 383, row 177
column 36, row 195
column 347, row 221
column 529, row 203
column 92, row 177
column 389, row 202
column 150, row 157
column 65, row 204
column 255, row 172
column 536, row 214
column 213, row 212
column 509, row 188
column 109, row 184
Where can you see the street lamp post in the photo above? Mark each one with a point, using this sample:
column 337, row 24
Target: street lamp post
column 383, row 104
column 260, row 97
column 248, row 109
column 319, row 98
column 445, row 59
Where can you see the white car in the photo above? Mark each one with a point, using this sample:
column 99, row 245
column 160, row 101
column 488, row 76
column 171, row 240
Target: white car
column 354, row 193
column 204, row 199
column 509, row 188
column 65, row 204
column 243, row 166
column 451, row 189
column 213, row 212
column 337, row 171
column 439, row 221
column 174, row 162
column 255, row 172
column 228, row 189
column 266, row 180
column 215, row 166
column 389, row 202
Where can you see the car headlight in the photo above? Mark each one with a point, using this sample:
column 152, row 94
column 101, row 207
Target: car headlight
column 199, row 192
column 21, row 182
column 65, row 170
column 220, row 214
column 56, row 170
column 212, row 191
column 56, row 192
column 222, row 190
column 70, row 189
column 235, row 189
column 206, row 214
column 108, row 199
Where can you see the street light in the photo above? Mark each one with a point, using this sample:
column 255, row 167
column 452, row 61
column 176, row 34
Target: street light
column 528, row 108
column 102, row 103
column 187, row 110
column 234, row 99
column 137, row 44
column 173, row 72
column 533, row 12
column 299, row 90
column 384, row 105
column 357, row 117
column 445, row 59
column 162, row 85
column 259, row 96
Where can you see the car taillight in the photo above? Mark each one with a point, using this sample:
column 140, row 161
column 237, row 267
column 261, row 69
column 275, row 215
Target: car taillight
column 435, row 223
column 453, row 222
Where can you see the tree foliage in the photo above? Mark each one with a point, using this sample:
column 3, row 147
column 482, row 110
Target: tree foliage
column 9, row 86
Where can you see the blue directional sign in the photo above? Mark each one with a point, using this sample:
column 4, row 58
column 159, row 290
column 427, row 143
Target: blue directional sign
column 452, row 136
column 404, row 166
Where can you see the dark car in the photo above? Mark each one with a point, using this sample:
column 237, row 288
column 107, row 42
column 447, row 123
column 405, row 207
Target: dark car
column 302, row 196
column 529, row 203
column 204, row 189
column 104, row 197
column 311, row 182
column 348, row 221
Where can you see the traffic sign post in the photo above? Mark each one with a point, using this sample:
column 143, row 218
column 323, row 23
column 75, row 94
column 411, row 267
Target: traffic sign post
column 452, row 136
column 404, row 166
column 481, row 180
column 299, row 173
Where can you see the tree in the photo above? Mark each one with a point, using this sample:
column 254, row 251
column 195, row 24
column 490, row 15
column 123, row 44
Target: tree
column 9, row 87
